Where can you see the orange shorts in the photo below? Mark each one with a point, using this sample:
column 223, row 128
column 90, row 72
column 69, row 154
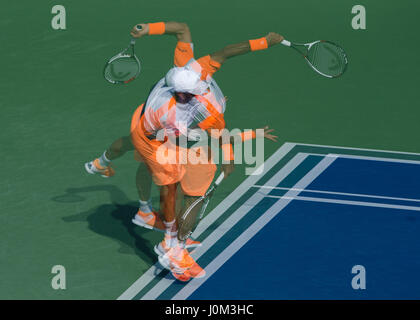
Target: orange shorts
column 197, row 178
column 163, row 174
column 194, row 179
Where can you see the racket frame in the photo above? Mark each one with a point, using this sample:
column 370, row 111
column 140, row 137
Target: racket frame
column 308, row 47
column 206, row 197
column 126, row 53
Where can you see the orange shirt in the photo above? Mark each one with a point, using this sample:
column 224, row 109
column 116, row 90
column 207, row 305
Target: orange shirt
column 162, row 112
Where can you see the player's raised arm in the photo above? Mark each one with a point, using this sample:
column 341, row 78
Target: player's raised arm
column 179, row 29
column 233, row 50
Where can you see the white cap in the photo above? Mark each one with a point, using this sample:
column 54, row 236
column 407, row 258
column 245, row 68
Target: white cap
column 183, row 79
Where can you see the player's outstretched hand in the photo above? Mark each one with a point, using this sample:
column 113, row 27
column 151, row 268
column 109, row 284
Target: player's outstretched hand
column 268, row 135
column 136, row 33
column 273, row 38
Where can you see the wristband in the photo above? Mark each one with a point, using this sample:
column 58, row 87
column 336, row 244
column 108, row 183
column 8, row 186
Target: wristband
column 156, row 28
column 258, row 44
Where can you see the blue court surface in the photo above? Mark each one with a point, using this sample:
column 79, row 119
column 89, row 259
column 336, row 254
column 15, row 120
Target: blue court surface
column 297, row 230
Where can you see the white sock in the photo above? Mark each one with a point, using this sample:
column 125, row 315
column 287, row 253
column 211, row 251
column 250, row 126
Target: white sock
column 171, row 233
column 103, row 160
column 170, row 226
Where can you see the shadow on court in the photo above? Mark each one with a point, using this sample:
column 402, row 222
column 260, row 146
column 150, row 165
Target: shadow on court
column 113, row 220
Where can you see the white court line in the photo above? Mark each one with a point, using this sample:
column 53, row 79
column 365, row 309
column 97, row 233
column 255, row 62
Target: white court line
column 233, row 219
column 349, row 202
column 348, row 156
column 239, row 242
column 150, row 274
column 356, row 149
column 360, row 195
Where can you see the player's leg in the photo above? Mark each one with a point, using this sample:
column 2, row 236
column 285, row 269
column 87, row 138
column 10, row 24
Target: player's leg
column 176, row 257
column 167, row 205
column 118, row 148
column 165, row 175
column 143, row 182
column 171, row 239
column 173, row 254
column 146, row 216
column 195, row 182
column 102, row 164
column 168, row 200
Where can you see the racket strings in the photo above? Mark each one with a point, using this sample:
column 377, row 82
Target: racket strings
column 189, row 219
column 122, row 69
column 327, row 58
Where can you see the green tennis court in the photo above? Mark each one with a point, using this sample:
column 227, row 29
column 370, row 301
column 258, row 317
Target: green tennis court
column 57, row 112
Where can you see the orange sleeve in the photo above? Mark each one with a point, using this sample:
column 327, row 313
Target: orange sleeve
column 213, row 122
column 209, row 66
column 183, row 53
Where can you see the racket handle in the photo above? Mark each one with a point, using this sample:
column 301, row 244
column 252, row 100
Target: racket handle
column 133, row 40
column 219, row 179
column 286, row 43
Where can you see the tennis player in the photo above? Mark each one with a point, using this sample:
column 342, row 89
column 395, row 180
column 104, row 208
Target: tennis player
column 186, row 98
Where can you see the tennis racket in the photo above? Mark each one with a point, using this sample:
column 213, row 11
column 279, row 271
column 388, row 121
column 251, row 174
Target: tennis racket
column 123, row 67
column 192, row 216
column 326, row 58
